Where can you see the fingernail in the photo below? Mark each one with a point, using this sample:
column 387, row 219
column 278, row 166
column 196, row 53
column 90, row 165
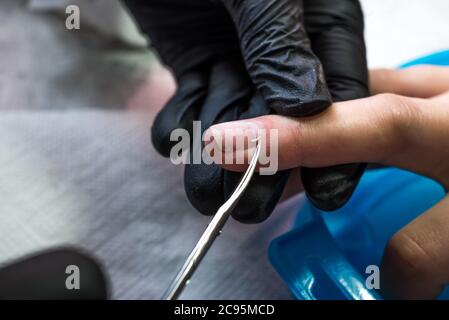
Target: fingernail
column 235, row 139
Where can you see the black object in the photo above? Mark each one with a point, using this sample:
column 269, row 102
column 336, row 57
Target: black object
column 43, row 276
column 242, row 59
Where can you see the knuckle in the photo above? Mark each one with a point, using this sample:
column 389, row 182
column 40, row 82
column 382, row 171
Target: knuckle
column 402, row 112
column 400, row 116
column 407, row 255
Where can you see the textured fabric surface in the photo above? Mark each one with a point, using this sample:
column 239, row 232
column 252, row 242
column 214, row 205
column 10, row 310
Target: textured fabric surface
column 114, row 22
column 92, row 179
column 45, row 66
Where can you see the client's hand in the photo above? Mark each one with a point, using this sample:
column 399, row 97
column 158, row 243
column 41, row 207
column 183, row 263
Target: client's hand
column 406, row 132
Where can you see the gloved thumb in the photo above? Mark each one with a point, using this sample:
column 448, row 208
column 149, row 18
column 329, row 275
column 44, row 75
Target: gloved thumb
column 278, row 56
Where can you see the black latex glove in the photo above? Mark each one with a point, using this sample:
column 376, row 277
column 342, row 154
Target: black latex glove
column 242, row 59
column 43, row 276
column 335, row 29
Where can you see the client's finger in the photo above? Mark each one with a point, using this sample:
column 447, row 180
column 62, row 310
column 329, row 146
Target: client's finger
column 416, row 260
column 420, row 81
column 389, row 129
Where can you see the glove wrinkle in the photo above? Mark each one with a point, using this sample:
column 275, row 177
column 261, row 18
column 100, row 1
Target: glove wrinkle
column 278, row 57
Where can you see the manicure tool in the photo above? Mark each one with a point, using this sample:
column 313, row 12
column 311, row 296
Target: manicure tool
column 212, row 231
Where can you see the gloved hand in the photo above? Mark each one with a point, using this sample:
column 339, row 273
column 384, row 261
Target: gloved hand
column 335, row 29
column 242, row 59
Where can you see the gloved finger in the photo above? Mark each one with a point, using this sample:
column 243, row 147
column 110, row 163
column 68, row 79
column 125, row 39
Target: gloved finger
column 185, row 33
column 330, row 188
column 336, row 30
column 278, row 57
column 43, row 277
column 182, row 109
column 229, row 93
column 264, row 191
column 416, row 260
column 260, row 197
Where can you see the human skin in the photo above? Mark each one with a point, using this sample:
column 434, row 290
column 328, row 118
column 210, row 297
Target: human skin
column 405, row 125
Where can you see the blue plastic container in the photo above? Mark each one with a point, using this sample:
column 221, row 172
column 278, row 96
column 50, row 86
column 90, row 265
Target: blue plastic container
column 326, row 254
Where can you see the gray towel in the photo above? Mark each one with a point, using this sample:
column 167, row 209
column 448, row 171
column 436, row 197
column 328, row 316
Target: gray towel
column 92, row 179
